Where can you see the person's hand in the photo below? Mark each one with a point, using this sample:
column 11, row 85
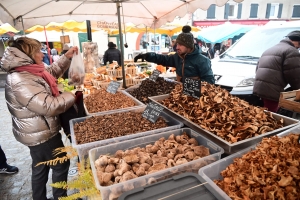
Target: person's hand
column 69, row 54
column 140, row 56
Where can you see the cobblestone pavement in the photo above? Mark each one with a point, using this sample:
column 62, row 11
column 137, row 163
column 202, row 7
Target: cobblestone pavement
column 18, row 186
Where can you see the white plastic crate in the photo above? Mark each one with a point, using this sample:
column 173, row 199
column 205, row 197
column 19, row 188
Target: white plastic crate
column 192, row 166
column 213, row 171
column 83, row 149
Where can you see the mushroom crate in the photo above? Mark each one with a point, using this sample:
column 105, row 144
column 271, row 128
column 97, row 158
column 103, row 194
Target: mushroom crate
column 101, row 100
column 115, row 126
column 268, row 170
column 134, row 163
column 227, row 120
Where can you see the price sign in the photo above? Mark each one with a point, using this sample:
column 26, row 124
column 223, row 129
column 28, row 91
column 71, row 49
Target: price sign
column 192, row 87
column 113, row 87
column 152, row 112
column 155, row 74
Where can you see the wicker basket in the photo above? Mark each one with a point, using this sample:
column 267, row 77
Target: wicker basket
column 137, row 81
column 131, row 70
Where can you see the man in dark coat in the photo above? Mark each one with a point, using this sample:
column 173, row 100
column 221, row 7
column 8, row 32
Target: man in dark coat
column 112, row 54
column 278, row 67
column 187, row 60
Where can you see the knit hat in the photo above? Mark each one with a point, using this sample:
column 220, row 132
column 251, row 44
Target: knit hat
column 66, row 47
column 111, row 45
column 294, row 35
column 186, row 38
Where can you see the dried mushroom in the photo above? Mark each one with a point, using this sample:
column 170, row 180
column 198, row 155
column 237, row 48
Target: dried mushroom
column 104, row 127
column 152, row 158
column 101, row 100
column 150, row 88
column 271, row 171
column 219, row 112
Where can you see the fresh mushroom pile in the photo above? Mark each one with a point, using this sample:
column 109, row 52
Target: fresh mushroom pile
column 150, row 88
column 271, row 171
column 219, row 112
column 101, row 100
column 133, row 163
column 114, row 125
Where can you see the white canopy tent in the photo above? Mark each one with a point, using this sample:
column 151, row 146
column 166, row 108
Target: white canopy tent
column 152, row 13
column 42, row 12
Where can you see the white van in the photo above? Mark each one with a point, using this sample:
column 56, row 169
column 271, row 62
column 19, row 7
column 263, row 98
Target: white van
column 235, row 69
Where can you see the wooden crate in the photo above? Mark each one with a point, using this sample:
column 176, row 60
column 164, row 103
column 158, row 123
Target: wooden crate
column 287, row 101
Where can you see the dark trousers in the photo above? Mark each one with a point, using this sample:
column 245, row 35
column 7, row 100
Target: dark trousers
column 44, row 152
column 3, row 163
column 271, row 105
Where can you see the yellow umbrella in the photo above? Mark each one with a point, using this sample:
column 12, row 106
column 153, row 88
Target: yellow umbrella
column 4, row 28
column 70, row 25
column 168, row 29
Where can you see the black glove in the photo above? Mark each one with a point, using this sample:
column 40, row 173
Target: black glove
column 140, row 56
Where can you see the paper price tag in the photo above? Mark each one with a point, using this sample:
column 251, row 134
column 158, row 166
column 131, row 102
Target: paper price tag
column 152, row 112
column 155, row 74
column 113, row 87
column 192, row 87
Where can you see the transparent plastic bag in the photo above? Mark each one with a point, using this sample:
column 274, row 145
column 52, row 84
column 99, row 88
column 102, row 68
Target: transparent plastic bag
column 76, row 70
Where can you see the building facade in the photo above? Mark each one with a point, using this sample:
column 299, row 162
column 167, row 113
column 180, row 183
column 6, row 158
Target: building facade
column 248, row 12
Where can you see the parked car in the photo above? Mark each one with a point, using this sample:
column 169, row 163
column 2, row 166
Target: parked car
column 235, row 69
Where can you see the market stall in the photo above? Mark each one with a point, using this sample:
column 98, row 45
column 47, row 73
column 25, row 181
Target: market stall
column 134, row 148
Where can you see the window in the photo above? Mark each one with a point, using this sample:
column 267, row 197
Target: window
column 253, row 10
column 233, row 8
column 274, row 10
column 211, row 12
column 296, row 11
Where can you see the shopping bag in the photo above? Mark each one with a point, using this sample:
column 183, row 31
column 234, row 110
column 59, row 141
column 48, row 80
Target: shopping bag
column 76, row 71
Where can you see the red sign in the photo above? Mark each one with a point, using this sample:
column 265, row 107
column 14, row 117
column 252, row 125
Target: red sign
column 205, row 24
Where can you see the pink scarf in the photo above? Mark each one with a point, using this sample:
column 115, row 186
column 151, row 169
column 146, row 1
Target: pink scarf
column 39, row 70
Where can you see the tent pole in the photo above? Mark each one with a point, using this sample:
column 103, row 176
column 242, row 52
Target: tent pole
column 48, row 49
column 121, row 44
column 147, row 35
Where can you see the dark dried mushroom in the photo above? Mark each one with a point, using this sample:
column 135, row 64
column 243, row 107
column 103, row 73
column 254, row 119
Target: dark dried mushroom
column 150, row 88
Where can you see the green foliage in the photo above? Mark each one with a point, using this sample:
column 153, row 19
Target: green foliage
column 70, row 153
column 83, row 182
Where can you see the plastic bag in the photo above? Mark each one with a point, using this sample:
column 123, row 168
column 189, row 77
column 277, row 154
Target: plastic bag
column 76, row 71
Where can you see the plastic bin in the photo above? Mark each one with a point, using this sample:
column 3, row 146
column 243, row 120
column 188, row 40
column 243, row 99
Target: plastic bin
column 212, row 171
column 184, row 186
column 295, row 130
column 137, row 104
column 192, row 166
column 83, row 149
column 228, row 147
